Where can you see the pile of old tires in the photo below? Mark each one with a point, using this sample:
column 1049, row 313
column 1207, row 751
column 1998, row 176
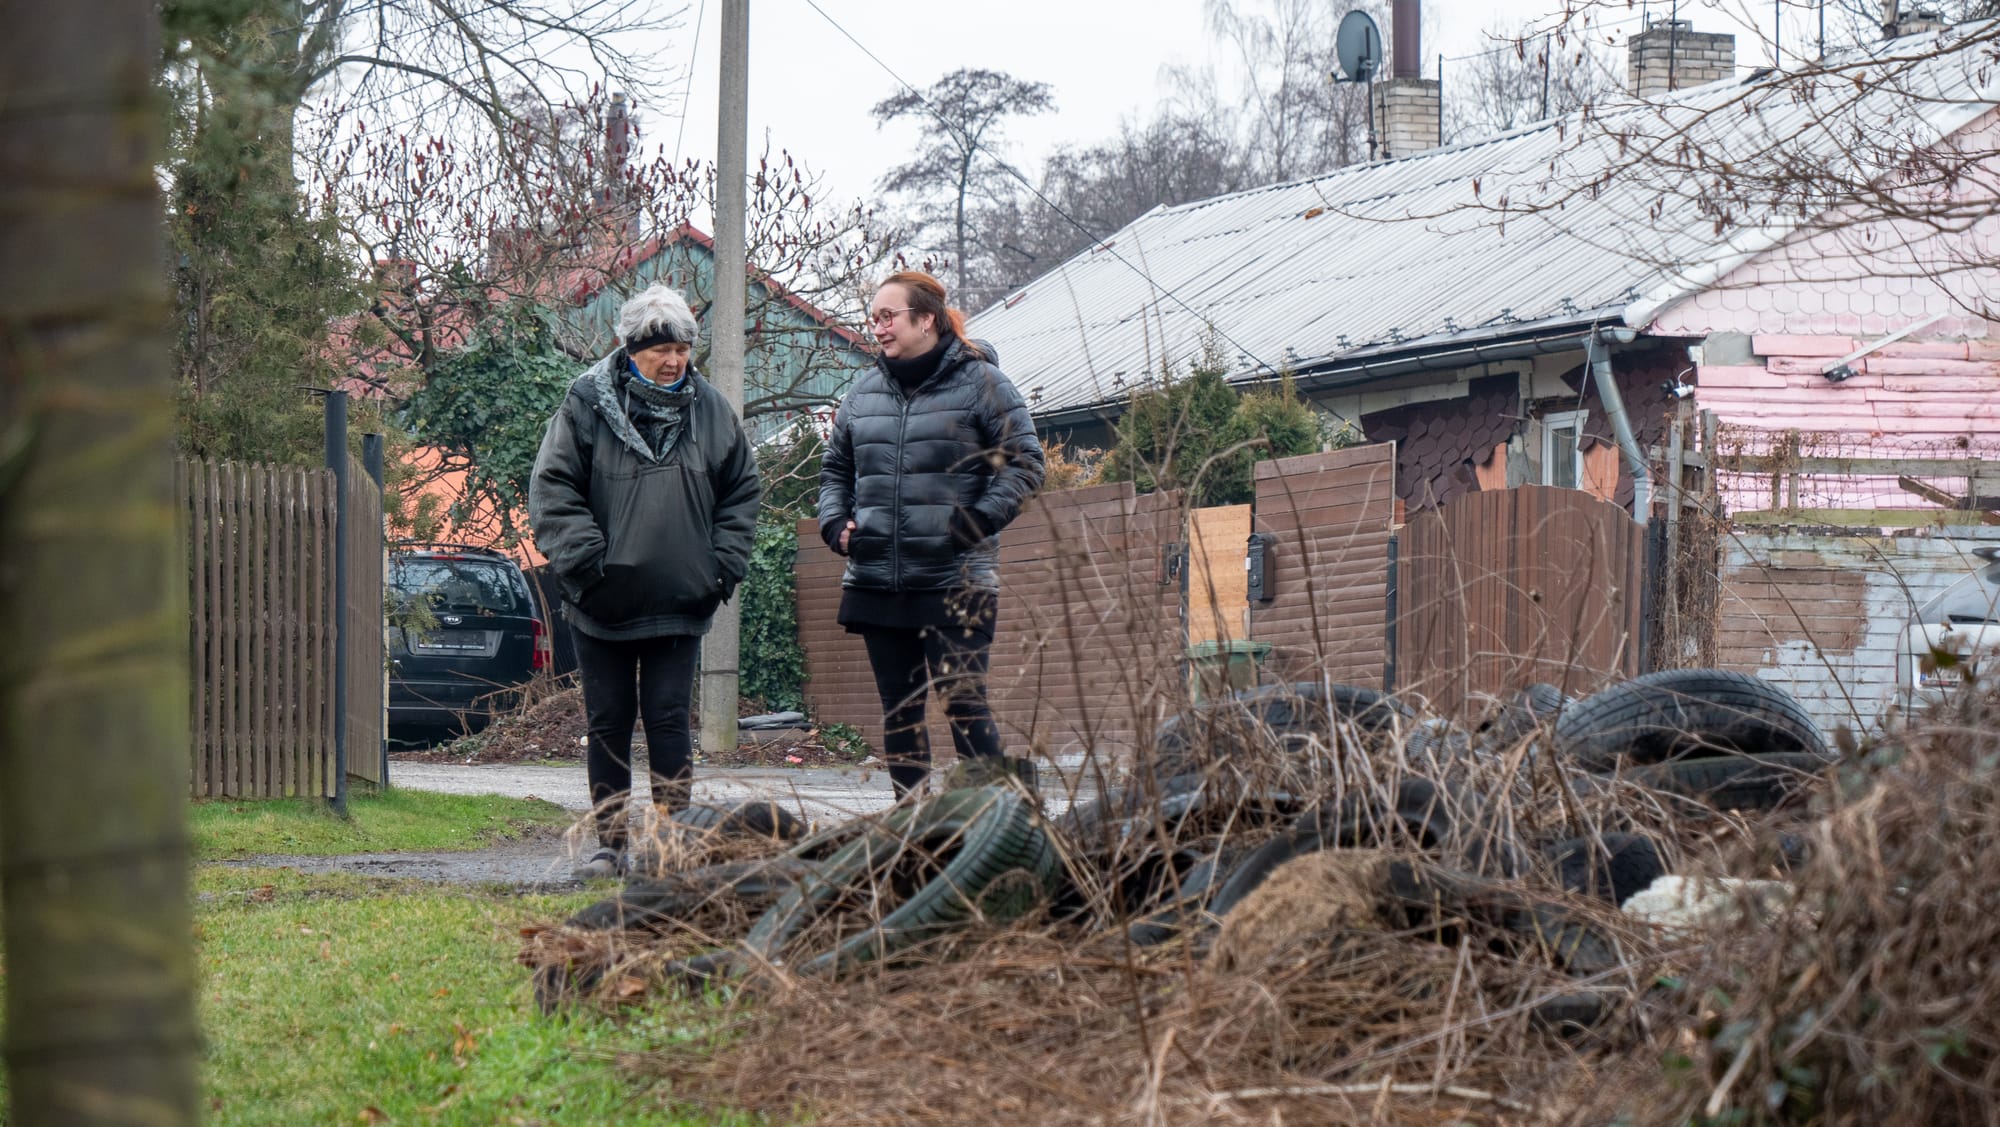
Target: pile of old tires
column 1711, row 739
column 857, row 893
column 1718, row 736
column 1233, row 791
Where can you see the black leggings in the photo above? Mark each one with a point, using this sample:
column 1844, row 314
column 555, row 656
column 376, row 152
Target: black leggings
column 622, row 681
column 908, row 664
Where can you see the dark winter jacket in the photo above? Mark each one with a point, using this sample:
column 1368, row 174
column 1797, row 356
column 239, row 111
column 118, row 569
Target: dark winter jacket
column 929, row 476
column 644, row 544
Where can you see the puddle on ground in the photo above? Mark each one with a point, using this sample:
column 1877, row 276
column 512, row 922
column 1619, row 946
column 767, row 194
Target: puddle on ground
column 538, row 862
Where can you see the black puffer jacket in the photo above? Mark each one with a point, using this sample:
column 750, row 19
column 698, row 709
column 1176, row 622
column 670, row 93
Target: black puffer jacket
column 644, row 544
column 929, row 477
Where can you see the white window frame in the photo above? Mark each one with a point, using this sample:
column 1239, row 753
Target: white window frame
column 1554, row 423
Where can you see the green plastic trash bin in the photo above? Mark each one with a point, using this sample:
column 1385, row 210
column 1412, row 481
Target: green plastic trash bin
column 1216, row 669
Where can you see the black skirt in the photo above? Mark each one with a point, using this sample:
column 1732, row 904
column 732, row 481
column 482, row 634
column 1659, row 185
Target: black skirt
column 862, row 609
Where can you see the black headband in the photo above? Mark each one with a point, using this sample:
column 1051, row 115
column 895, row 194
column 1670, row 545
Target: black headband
column 663, row 334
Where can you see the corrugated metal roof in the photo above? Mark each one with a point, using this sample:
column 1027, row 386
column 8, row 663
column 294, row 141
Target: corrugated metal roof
column 1566, row 222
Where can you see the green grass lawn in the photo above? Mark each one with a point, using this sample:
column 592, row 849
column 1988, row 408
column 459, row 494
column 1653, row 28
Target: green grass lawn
column 339, row 999
column 332, row 999
column 400, row 821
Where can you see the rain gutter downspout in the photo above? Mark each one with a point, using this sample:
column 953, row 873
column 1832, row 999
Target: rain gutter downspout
column 1598, row 349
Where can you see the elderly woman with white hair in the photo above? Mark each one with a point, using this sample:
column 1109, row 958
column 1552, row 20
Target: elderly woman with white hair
column 644, row 499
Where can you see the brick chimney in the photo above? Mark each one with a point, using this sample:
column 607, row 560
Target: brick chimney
column 1897, row 23
column 1671, row 55
column 613, row 197
column 1406, row 106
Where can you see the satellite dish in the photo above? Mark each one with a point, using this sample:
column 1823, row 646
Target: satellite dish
column 1357, row 46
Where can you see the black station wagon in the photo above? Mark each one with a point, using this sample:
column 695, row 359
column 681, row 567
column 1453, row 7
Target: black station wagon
column 464, row 634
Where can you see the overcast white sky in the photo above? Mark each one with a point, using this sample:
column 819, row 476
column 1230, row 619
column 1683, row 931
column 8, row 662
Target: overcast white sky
column 810, row 88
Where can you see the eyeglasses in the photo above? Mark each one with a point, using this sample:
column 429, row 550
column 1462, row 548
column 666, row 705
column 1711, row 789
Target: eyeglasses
column 885, row 316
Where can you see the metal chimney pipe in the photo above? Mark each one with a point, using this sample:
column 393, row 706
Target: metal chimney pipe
column 1406, row 26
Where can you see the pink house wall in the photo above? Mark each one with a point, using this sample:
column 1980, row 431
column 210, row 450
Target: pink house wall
column 1823, row 295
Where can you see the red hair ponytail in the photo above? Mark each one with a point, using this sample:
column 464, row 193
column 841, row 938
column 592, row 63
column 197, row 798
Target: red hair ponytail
column 927, row 296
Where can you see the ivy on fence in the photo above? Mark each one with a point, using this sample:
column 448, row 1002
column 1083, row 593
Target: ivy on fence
column 773, row 662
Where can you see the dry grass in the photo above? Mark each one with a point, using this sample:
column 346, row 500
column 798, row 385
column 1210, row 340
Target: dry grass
column 1870, row 1001
column 1875, row 998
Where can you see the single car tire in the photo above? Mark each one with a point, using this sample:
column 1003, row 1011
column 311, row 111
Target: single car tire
column 1681, row 714
column 1571, row 1015
column 1102, row 826
column 1259, row 864
column 1195, row 887
column 1423, row 817
column 1610, row 866
column 751, row 817
column 660, row 902
column 981, row 839
column 1220, row 729
column 1735, row 782
column 1439, row 740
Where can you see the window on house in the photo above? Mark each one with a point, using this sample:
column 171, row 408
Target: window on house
column 1562, row 458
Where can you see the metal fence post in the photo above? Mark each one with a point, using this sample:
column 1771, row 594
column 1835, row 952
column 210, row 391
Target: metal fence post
column 1392, row 595
column 336, row 460
column 371, row 459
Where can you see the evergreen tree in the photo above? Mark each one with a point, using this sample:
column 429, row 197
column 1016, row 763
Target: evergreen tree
column 259, row 277
column 1200, row 435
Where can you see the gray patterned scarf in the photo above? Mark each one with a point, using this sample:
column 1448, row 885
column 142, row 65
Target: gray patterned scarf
column 659, row 413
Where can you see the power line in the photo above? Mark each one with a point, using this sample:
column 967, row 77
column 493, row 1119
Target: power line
column 1010, row 170
column 687, row 90
column 1514, row 44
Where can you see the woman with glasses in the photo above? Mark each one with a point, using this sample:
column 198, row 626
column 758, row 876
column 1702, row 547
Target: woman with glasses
column 932, row 454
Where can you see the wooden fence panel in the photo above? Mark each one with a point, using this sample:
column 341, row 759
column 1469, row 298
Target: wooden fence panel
column 1506, row 588
column 320, row 765
column 1088, row 637
column 1329, row 565
column 366, row 716
column 234, row 671
column 1089, row 650
column 258, row 542
column 257, row 536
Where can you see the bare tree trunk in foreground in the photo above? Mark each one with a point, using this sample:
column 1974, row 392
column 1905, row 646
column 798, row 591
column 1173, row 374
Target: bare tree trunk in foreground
column 100, row 1025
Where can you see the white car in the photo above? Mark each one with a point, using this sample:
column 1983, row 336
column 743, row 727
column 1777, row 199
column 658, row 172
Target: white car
column 1962, row 626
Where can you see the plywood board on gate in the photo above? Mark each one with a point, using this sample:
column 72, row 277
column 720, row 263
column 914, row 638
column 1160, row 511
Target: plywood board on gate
column 1218, row 599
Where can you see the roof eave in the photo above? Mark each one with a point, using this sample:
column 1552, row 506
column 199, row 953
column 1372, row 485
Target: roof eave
column 1357, row 368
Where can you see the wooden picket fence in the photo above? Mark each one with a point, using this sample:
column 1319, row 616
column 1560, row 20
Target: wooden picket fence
column 262, row 605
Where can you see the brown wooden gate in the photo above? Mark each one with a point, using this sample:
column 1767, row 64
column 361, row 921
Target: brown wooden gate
column 1506, row 588
column 1329, row 516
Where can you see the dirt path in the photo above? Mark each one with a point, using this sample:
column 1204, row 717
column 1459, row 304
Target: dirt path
column 539, row 862
column 543, row 860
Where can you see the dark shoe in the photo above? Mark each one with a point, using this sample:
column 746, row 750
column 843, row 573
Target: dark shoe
column 605, row 863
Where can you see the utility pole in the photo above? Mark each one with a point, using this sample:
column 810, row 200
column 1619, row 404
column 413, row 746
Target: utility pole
column 719, row 650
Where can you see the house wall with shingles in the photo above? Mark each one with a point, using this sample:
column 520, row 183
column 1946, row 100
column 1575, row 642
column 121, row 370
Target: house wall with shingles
column 1483, row 433
column 1778, row 320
